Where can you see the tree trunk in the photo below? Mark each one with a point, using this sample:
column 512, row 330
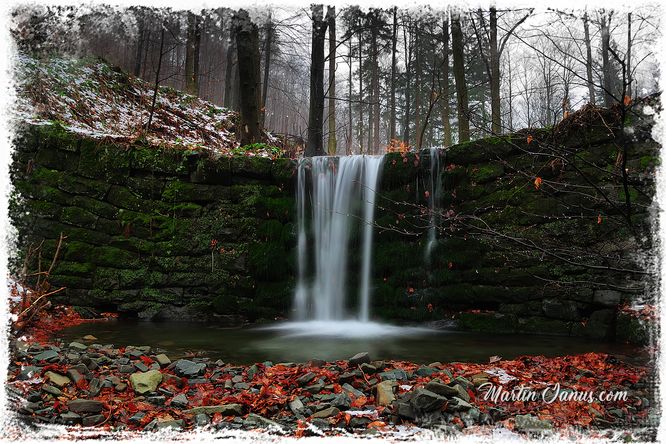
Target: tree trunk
column 332, row 141
column 229, row 74
column 141, row 36
column 496, row 115
column 157, row 80
column 316, row 114
column 375, row 85
column 394, row 42
column 350, row 132
column 408, row 81
column 459, row 75
column 417, row 83
column 588, row 61
column 605, row 57
column 267, row 64
column 446, row 91
column 247, row 47
column 360, row 93
column 191, row 54
column 629, row 75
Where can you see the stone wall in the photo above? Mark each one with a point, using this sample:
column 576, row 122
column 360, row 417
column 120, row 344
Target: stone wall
column 509, row 258
column 156, row 232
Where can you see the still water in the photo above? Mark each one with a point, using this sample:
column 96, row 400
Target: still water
column 305, row 341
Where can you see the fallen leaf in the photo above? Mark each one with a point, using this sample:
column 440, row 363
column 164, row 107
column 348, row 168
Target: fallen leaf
column 537, row 183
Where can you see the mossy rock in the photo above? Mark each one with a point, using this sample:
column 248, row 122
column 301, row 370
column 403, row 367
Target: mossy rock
column 542, row 325
column 95, row 207
column 41, row 208
column 107, row 163
column 631, row 329
column 225, row 303
column 146, row 187
column 252, row 167
column 212, row 171
column 78, row 217
column 74, row 268
column 269, row 261
column 284, row 171
column 486, row 172
column 55, row 137
column 166, row 161
column 57, row 159
column 180, row 191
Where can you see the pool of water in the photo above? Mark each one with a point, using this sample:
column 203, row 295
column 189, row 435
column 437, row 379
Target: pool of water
column 299, row 342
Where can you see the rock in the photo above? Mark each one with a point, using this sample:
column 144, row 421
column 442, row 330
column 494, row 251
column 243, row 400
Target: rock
column 427, row 401
column 254, row 420
column 93, row 420
column 89, row 338
column 460, row 404
column 48, row 355
column 127, row 368
column 437, row 387
column 561, row 309
column 137, row 417
column 252, row 371
column 425, row 371
column 145, row 382
column 74, row 375
column 170, row 424
column 608, row 298
column 341, row 401
column 163, row 360
column 201, row 420
column 385, row 394
column 326, row 413
column 529, row 423
column 368, row 368
column 223, row 409
column 462, row 393
column 405, row 410
column 85, row 406
column 306, row 378
column 296, row 406
column 70, row 418
column 141, row 366
column 78, row 346
column 349, row 376
column 180, row 401
column 360, row 358
column 242, row 386
column 170, row 379
column 394, row 375
column 121, row 387
column 188, row 369
column 57, row 379
column 28, row 372
column 349, row 389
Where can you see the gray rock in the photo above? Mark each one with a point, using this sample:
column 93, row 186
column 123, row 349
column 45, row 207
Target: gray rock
column 85, row 406
column 349, row 389
column 252, row 371
column 127, row 368
column 306, row 378
column 255, row 420
column 426, row 401
column 70, row 418
column 163, row 360
column 145, row 382
column 94, row 387
column 180, row 401
column 360, row 358
column 368, row 369
column 326, row 413
column 462, row 393
column 121, row 387
column 189, row 369
column 201, row 420
column 158, row 400
column 137, row 417
column 426, row 371
column 74, row 375
column 242, row 386
column 223, row 409
column 93, row 420
column 341, row 401
column 459, row 405
column 57, row 379
column 441, row 389
column 176, row 424
column 296, row 406
column 395, row 375
column 561, row 309
column 48, row 355
column 78, row 346
column 141, row 366
column 529, row 423
column 405, row 410
column 28, row 372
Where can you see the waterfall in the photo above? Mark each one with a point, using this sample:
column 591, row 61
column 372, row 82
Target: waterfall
column 435, row 190
column 339, row 186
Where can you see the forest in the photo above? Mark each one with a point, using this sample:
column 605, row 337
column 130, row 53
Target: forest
column 270, row 222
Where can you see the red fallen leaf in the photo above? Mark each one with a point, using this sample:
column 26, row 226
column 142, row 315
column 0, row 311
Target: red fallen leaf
column 429, row 308
column 359, row 402
column 599, row 219
column 427, row 194
column 300, row 428
column 627, row 100
column 537, row 182
column 146, row 360
column 347, row 418
column 529, row 139
column 376, row 425
column 410, row 290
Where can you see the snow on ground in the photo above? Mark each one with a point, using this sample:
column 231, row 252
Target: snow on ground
column 90, row 98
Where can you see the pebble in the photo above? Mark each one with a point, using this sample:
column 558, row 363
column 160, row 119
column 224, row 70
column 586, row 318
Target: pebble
column 360, row 358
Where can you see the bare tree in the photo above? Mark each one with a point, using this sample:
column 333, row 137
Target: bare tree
column 332, row 142
column 247, row 47
column 459, row 75
column 316, row 115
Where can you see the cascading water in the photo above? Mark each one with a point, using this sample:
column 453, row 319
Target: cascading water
column 435, row 190
column 339, row 186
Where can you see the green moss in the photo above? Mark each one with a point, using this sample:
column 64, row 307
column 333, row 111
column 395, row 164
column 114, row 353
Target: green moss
column 486, row 173
column 74, row 268
column 78, row 217
column 269, row 261
column 488, row 322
